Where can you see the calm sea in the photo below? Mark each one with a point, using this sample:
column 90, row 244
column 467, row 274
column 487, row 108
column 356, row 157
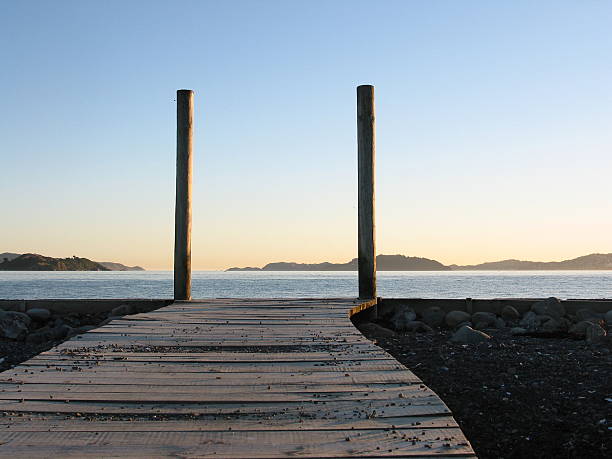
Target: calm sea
column 217, row 284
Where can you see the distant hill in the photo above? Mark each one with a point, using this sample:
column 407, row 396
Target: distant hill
column 36, row 262
column 594, row 261
column 119, row 267
column 383, row 263
column 8, row 256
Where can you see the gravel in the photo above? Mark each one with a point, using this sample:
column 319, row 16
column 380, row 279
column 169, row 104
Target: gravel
column 517, row 396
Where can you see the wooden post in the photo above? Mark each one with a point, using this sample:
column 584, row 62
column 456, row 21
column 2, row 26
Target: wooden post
column 182, row 216
column 366, row 140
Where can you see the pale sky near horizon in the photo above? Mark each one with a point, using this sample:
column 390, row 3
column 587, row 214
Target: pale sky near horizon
column 494, row 128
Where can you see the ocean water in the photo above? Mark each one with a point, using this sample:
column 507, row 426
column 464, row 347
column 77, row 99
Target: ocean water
column 316, row 284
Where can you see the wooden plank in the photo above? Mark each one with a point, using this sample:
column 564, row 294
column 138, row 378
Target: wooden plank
column 54, row 356
column 199, row 368
column 235, row 444
column 203, row 396
column 340, row 409
column 209, row 379
column 66, row 423
column 236, row 379
column 170, row 388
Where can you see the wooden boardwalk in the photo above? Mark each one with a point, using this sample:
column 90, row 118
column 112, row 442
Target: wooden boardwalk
column 224, row 378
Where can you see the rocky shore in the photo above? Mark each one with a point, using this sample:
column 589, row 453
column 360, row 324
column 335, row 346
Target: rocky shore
column 531, row 385
column 26, row 334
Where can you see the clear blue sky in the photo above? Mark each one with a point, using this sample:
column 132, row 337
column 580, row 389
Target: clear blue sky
column 494, row 125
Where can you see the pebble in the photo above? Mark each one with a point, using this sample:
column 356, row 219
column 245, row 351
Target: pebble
column 549, row 307
column 595, row 334
column 517, row 331
column 529, row 321
column 454, row 318
column 467, row 335
column 433, row 316
column 580, row 328
column 484, row 319
column 585, row 314
column 39, row 313
column 400, row 320
column 510, row 313
column 608, row 318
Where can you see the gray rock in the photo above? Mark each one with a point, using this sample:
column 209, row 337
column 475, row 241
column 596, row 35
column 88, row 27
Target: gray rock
column 62, row 331
column 500, row 323
column 85, row 329
column 401, row 318
column 48, row 334
column 123, row 310
column 580, row 328
column 12, row 329
column 417, row 326
column 40, row 336
column 595, row 334
column 467, row 335
column 517, row 331
column 549, row 307
column 70, row 331
column 14, row 305
column 434, row 316
column 484, row 320
column 370, row 328
column 608, row 318
column 553, row 325
column 454, row 318
column 530, row 321
column 17, row 316
column 463, row 324
column 510, row 313
column 39, row 314
column 585, row 314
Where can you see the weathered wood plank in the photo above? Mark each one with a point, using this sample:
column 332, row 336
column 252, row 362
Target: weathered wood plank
column 237, row 379
column 63, row 423
column 224, row 378
column 235, row 444
column 288, row 409
column 54, row 356
column 163, row 396
column 228, row 367
column 170, row 388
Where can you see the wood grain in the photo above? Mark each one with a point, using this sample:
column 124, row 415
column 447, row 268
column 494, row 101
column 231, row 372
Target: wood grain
column 182, row 216
column 224, row 378
column 366, row 160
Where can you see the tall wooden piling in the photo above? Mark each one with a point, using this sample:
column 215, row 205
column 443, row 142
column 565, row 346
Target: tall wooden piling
column 182, row 216
column 366, row 152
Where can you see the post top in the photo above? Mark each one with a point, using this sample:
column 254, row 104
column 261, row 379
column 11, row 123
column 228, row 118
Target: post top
column 365, row 86
column 183, row 91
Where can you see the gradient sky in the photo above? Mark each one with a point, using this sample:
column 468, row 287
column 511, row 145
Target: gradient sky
column 494, row 128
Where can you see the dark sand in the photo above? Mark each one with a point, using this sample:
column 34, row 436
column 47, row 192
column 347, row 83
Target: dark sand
column 518, row 397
